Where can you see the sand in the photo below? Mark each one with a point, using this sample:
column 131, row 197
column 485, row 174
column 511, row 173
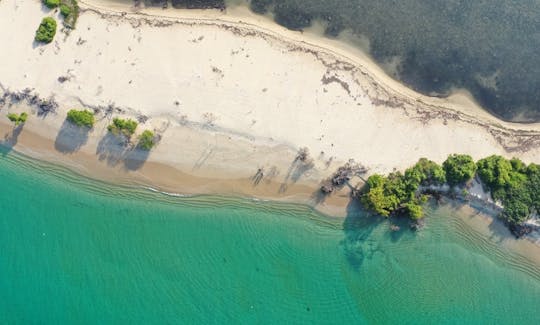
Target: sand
column 229, row 94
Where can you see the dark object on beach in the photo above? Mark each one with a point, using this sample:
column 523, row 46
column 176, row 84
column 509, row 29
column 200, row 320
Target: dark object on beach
column 327, row 189
column 520, row 230
column 199, row 4
column 63, row 79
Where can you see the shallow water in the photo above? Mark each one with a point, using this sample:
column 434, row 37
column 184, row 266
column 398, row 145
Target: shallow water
column 79, row 251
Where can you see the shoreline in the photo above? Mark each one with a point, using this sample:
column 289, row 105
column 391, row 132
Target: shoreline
column 222, row 153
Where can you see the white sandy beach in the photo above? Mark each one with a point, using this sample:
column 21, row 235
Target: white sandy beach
column 230, row 93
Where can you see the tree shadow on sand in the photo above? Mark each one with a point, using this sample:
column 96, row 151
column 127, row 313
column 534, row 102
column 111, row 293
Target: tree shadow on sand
column 136, row 158
column 115, row 150
column 10, row 139
column 71, row 138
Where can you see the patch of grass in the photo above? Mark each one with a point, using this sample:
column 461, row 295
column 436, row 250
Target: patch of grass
column 70, row 11
column 146, row 140
column 18, row 118
column 65, row 10
column 51, row 3
column 82, row 118
column 125, row 127
column 46, row 30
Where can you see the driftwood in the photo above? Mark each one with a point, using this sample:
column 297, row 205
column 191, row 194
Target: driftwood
column 43, row 105
column 342, row 176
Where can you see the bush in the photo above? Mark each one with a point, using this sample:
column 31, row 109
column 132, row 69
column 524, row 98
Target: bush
column 146, row 140
column 459, row 169
column 124, row 127
column 18, row 118
column 46, row 30
column 425, row 172
column 65, row 10
column 51, row 3
column 81, row 118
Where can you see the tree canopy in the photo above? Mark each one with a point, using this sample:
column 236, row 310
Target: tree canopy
column 82, row 118
column 459, row 169
column 46, row 30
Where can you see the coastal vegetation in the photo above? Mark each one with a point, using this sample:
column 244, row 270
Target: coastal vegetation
column 46, row 30
column 125, row 127
column 70, row 11
column 51, row 3
column 146, row 140
column 511, row 182
column 18, row 118
column 81, row 118
column 459, row 169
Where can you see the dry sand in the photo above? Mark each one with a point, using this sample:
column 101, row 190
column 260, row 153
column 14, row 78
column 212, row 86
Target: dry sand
column 229, row 93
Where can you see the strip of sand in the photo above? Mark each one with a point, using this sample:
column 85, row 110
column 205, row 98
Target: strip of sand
column 229, row 94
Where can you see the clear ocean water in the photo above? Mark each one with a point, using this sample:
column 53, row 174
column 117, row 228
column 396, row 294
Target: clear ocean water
column 75, row 251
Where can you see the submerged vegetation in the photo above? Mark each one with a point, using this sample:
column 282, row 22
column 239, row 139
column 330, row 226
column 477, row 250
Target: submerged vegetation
column 46, row 30
column 125, row 127
column 18, row 118
column 81, row 118
column 488, row 47
column 511, row 182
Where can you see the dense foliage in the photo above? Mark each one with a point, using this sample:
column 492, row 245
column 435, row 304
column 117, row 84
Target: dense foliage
column 18, row 118
column 459, row 169
column 46, row 30
column 146, row 140
column 70, row 10
column 81, row 118
column 513, row 183
column 125, row 127
column 400, row 192
column 51, row 3
column 65, row 10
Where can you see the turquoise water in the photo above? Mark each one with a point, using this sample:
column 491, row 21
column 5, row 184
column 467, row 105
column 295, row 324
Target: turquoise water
column 78, row 251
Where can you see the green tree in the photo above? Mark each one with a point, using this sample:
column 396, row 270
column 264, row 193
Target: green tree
column 65, row 10
column 46, row 30
column 82, row 118
column 51, row 3
column 124, row 127
column 459, row 169
column 18, row 118
column 146, row 140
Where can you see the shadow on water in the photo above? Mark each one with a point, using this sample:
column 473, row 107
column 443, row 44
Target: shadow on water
column 10, row 139
column 116, row 150
column 358, row 227
column 71, row 138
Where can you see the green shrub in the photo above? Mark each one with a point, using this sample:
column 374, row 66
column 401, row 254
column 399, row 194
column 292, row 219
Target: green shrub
column 124, row 127
column 18, row 118
column 46, row 30
column 51, row 3
column 459, row 169
column 425, row 172
column 81, row 118
column 146, row 140
column 65, row 10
